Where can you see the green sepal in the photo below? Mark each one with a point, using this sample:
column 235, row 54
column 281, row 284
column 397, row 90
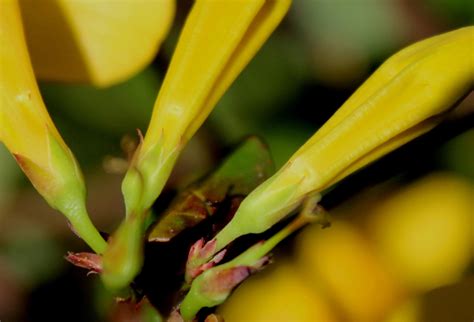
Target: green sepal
column 255, row 215
column 70, row 195
column 147, row 176
column 62, row 186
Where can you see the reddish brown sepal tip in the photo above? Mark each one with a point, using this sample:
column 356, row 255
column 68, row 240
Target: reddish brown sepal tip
column 198, row 258
column 89, row 261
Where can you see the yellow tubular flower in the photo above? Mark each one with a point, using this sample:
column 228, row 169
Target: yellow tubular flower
column 404, row 98
column 29, row 133
column 217, row 41
column 101, row 41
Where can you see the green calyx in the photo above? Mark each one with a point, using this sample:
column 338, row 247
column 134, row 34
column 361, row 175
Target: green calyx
column 62, row 186
column 264, row 207
column 147, row 176
column 142, row 184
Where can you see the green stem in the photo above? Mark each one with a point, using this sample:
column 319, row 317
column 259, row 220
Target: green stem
column 84, row 227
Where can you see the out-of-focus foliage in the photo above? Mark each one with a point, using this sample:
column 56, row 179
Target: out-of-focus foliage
column 113, row 110
column 458, row 154
column 9, row 173
column 344, row 36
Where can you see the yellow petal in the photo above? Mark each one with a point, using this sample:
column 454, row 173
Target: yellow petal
column 422, row 89
column 101, row 42
column 212, row 33
column 380, row 78
column 24, row 119
column 218, row 40
column 290, row 298
column 344, row 265
column 424, row 231
column 405, row 98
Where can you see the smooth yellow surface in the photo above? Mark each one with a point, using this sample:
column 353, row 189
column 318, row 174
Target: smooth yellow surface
column 424, row 232
column 409, row 311
column 216, row 43
column 199, row 74
column 29, row 133
column 218, row 40
column 99, row 41
column 277, row 295
column 403, row 99
column 435, row 74
column 341, row 262
column 24, row 120
column 211, row 34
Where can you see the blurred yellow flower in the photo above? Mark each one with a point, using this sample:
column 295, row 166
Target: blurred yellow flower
column 424, row 231
column 100, row 42
column 279, row 294
column 342, row 262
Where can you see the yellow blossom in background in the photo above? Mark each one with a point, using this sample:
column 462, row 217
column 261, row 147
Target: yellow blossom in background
column 424, row 232
column 100, row 42
column 279, row 294
column 341, row 261
column 28, row 132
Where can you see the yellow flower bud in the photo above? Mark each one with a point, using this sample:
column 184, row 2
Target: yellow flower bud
column 404, row 98
column 218, row 40
column 30, row 135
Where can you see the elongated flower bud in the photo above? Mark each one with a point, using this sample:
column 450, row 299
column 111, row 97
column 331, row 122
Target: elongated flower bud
column 218, row 40
column 404, row 98
column 30, row 135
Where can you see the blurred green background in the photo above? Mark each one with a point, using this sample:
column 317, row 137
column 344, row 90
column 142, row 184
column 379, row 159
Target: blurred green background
column 318, row 56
